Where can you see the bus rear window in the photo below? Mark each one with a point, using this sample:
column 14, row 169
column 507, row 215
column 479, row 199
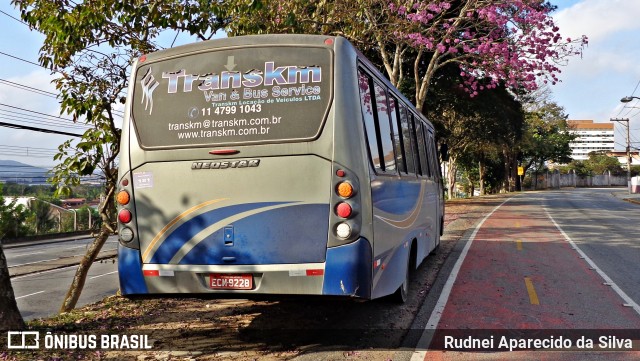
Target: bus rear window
column 238, row 96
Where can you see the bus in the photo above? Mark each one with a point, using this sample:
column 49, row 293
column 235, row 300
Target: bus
column 273, row 164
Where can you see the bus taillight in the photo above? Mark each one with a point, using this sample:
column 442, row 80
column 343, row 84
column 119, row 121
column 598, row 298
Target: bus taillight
column 124, row 216
column 343, row 210
column 345, row 190
column 123, row 198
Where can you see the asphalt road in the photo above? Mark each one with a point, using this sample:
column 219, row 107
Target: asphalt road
column 605, row 228
column 33, row 254
column 541, row 265
column 40, row 293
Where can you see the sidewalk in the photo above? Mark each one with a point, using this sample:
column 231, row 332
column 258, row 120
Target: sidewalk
column 623, row 194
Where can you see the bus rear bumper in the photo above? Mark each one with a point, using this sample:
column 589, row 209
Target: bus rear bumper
column 346, row 272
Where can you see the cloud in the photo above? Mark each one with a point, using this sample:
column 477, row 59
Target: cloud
column 598, row 18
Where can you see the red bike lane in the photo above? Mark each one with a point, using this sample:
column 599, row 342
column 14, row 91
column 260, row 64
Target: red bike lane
column 523, row 290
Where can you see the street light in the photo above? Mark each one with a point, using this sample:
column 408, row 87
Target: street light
column 628, row 99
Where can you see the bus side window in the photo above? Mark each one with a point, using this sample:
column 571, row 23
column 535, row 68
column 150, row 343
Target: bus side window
column 429, row 149
column 384, row 125
column 434, row 158
column 414, row 142
column 366, row 103
column 397, row 137
column 422, row 147
column 407, row 140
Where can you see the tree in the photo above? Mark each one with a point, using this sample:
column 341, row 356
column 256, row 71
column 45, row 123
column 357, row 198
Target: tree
column 10, row 318
column 599, row 163
column 91, row 45
column 42, row 217
column 13, row 218
column 477, row 129
column 513, row 42
column 547, row 134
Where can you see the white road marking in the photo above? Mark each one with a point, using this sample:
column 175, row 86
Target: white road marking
column 28, row 263
column 420, row 352
column 31, row 294
column 629, row 302
column 106, row 274
column 26, row 254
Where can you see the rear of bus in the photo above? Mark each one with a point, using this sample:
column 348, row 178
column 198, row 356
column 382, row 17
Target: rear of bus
column 229, row 180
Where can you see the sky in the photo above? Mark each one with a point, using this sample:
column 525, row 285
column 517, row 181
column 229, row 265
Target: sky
column 591, row 86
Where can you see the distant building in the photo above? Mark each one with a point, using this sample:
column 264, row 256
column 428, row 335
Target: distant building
column 73, row 202
column 622, row 157
column 591, row 137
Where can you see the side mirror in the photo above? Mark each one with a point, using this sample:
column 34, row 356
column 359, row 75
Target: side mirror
column 444, row 152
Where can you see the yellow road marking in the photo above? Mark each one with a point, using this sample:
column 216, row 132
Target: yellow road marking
column 518, row 224
column 519, row 245
column 533, row 296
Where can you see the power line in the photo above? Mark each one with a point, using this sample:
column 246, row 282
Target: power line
column 28, row 88
column 24, row 60
column 14, row 18
column 17, row 126
column 43, row 122
column 33, row 111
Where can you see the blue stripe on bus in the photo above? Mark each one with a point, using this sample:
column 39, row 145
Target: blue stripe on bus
column 130, row 272
column 348, row 270
column 394, row 197
column 292, row 234
column 183, row 233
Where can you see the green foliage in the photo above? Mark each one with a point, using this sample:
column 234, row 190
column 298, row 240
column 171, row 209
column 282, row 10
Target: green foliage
column 547, row 135
column 42, row 220
column 597, row 163
column 600, row 163
column 12, row 218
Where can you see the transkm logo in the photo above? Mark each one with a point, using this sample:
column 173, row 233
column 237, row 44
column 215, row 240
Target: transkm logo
column 148, row 84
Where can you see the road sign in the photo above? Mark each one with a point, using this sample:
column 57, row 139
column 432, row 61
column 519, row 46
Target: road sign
column 520, row 170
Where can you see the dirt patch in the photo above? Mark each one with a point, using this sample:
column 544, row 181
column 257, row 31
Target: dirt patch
column 230, row 329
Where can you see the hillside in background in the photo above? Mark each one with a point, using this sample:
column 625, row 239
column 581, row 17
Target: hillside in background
column 16, row 172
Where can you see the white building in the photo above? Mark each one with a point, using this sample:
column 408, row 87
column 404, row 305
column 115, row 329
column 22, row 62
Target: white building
column 592, row 137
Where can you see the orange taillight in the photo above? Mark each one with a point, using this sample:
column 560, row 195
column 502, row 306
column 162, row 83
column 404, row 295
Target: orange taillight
column 345, row 190
column 123, row 198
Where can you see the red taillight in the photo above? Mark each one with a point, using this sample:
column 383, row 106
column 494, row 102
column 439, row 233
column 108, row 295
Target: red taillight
column 343, row 210
column 124, row 216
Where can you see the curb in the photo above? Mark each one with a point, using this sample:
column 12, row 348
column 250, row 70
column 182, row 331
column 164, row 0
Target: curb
column 632, row 200
column 57, row 264
column 46, row 241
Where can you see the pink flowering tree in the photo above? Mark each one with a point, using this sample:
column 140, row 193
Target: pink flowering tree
column 514, row 42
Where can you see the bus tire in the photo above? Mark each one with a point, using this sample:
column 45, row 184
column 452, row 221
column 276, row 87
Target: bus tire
column 402, row 293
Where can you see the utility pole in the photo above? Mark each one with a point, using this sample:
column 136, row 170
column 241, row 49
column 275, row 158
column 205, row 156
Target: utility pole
column 628, row 151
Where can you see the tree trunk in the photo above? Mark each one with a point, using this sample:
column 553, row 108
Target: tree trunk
column 77, row 284
column 451, row 181
column 10, row 317
column 507, row 173
column 481, row 176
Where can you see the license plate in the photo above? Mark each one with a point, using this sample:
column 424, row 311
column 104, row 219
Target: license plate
column 219, row 281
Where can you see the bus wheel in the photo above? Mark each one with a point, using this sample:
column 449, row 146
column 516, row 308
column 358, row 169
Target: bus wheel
column 402, row 293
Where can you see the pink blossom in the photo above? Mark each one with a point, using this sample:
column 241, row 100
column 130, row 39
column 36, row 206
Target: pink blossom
column 522, row 48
